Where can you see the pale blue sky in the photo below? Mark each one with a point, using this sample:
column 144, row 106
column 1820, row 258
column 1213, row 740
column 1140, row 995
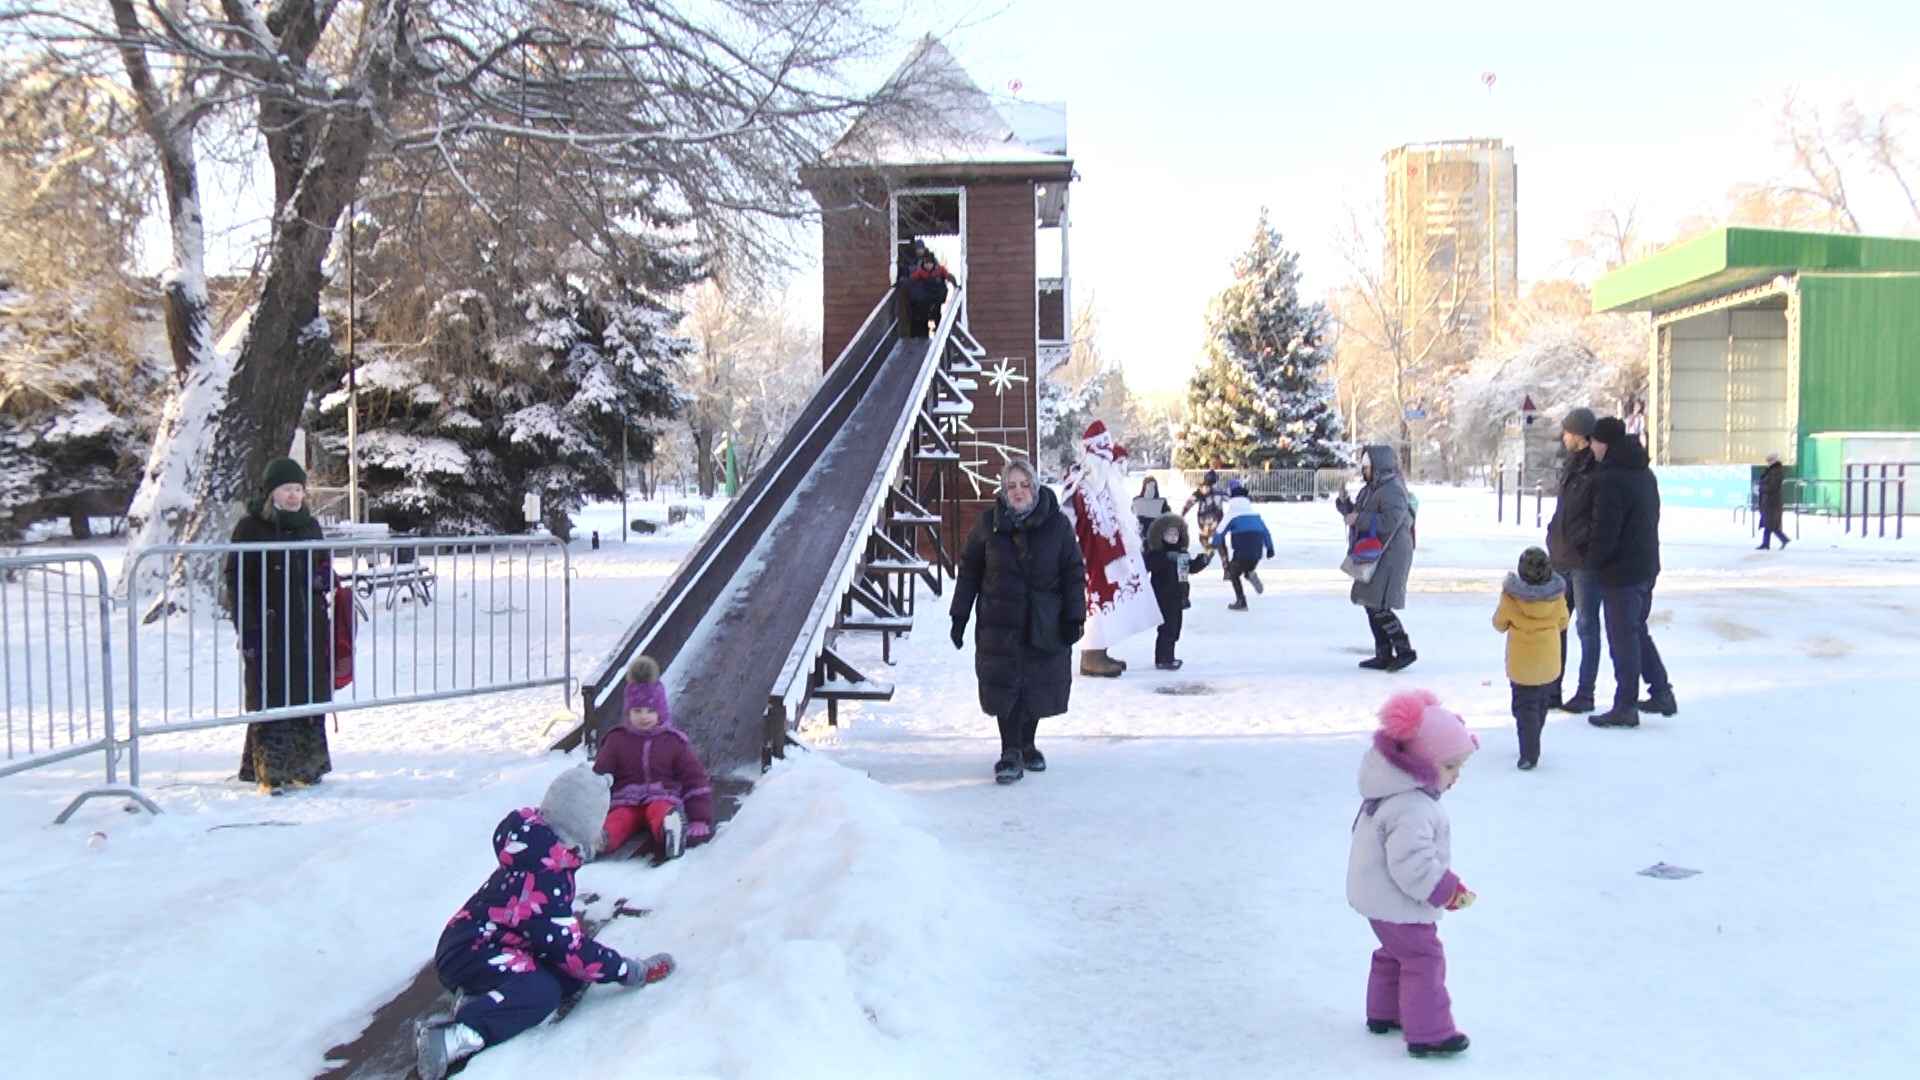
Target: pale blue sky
column 1185, row 118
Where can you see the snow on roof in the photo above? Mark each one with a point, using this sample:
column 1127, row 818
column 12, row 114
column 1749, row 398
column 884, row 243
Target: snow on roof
column 931, row 112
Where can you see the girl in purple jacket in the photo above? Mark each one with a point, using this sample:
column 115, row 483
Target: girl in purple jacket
column 658, row 780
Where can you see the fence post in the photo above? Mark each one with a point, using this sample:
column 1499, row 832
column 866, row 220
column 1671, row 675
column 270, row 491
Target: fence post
column 1539, row 495
column 1499, row 492
column 1900, row 504
column 1846, row 498
column 1519, row 488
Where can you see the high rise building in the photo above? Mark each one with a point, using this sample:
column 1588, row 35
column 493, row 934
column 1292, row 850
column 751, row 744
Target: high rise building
column 1452, row 226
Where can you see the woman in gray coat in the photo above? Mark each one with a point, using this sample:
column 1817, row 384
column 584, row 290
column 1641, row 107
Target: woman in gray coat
column 1382, row 507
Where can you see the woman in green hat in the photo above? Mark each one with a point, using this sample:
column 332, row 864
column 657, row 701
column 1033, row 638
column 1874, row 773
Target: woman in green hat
column 286, row 644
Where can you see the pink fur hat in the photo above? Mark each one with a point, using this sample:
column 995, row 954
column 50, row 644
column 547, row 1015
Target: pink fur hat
column 1424, row 728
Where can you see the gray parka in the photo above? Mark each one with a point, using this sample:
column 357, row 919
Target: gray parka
column 1382, row 503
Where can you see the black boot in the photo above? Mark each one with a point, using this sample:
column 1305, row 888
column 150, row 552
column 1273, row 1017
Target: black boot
column 1403, row 653
column 1382, row 1027
column 1382, row 645
column 1450, row 1046
column 1033, row 760
column 1618, row 716
column 1661, row 703
column 1008, row 768
column 1529, row 729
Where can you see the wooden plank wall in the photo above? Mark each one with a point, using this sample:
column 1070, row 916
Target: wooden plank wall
column 855, row 263
column 1001, row 309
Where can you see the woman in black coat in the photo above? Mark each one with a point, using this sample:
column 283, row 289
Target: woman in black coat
column 1773, row 502
column 286, row 644
column 1023, row 567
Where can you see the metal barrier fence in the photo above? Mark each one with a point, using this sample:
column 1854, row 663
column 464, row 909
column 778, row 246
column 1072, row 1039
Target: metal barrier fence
column 56, row 666
column 1520, row 493
column 431, row 619
column 1869, row 496
column 1280, row 485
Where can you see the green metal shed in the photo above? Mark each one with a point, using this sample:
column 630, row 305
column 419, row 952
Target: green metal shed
column 1764, row 339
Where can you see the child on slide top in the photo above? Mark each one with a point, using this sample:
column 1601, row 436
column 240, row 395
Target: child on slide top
column 516, row 949
column 658, row 781
column 1398, row 872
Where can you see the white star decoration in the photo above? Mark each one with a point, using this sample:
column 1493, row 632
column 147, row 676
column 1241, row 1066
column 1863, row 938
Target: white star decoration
column 1002, row 375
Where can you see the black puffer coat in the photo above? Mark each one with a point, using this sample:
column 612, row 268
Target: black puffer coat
column 1571, row 529
column 1021, row 575
column 1625, row 546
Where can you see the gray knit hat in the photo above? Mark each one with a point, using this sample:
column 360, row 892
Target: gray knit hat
column 575, row 807
column 1535, row 567
column 1579, row 421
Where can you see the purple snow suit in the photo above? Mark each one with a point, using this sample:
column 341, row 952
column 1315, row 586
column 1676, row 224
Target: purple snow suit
column 516, row 946
column 658, row 763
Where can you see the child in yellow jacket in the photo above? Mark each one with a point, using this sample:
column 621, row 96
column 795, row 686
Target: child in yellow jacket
column 1533, row 614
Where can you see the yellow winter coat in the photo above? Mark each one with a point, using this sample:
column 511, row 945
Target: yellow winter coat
column 1532, row 617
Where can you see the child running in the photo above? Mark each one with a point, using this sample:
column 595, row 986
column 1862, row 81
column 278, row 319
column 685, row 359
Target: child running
column 1398, row 872
column 658, row 781
column 515, row 950
column 1533, row 614
column 1242, row 539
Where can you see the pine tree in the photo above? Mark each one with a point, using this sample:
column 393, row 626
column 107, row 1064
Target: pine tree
column 1264, row 397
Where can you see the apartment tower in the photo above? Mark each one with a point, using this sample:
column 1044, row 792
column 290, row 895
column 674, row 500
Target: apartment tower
column 1453, row 232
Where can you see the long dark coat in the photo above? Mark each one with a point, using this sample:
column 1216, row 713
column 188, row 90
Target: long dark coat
column 1773, row 500
column 1009, row 571
column 286, row 640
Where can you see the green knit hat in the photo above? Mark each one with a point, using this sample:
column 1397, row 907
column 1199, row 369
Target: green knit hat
column 283, row 471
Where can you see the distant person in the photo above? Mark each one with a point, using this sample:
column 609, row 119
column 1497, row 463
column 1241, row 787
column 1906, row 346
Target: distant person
column 1023, row 570
column 1399, row 869
column 1381, row 508
column 1242, row 540
column 1148, row 505
column 515, row 950
column 279, row 599
column 1568, row 535
column 659, row 784
column 910, row 254
column 1168, row 568
column 1624, row 553
column 1773, row 502
column 1209, row 504
column 926, row 294
column 1533, row 615
column 1636, row 421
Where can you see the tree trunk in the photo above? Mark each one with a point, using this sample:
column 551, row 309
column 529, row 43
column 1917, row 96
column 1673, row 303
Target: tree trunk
column 703, row 470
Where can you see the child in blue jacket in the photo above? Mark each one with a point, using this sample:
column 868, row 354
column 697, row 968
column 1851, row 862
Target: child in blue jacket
column 516, row 949
column 1242, row 539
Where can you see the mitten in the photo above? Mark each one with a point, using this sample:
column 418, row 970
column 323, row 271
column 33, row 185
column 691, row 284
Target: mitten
column 699, row 833
column 646, row 972
column 1071, row 632
column 959, row 633
column 1462, row 897
column 1343, row 503
column 323, row 578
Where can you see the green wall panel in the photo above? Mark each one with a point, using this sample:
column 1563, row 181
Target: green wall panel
column 1859, row 353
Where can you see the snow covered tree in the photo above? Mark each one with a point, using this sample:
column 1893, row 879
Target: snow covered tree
column 78, row 332
column 711, row 104
column 1264, row 398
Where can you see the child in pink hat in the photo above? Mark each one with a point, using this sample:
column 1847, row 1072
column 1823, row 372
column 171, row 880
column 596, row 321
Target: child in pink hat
column 1398, row 872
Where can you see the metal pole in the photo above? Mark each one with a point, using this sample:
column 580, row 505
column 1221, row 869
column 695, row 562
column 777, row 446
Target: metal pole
column 353, row 390
column 1499, row 492
column 1539, row 496
column 1846, row 498
column 1519, row 488
column 623, row 476
column 1883, row 501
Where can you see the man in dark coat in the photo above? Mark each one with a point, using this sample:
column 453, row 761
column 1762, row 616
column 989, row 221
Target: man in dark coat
column 279, row 598
column 1624, row 554
column 1023, row 568
column 1568, row 535
column 1773, row 502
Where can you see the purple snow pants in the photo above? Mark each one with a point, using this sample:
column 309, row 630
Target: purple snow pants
column 1408, row 982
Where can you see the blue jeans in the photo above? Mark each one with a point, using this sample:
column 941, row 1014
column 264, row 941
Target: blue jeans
column 1634, row 655
column 1583, row 597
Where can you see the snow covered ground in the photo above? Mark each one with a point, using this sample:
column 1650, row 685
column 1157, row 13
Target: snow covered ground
column 1166, row 900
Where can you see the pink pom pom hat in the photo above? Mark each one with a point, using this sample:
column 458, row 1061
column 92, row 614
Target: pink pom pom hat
column 1425, row 729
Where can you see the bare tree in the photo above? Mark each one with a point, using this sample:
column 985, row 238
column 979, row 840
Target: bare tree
column 752, row 367
column 714, row 103
column 1400, row 340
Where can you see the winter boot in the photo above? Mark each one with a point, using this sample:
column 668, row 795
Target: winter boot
column 1237, row 605
column 1661, row 703
column 439, row 1046
column 1382, row 645
column 1170, row 665
column 1626, row 716
column 1439, row 1049
column 1032, row 760
column 673, row 834
column 1581, row 702
column 1097, row 663
column 1402, row 657
column 1008, row 768
column 1529, row 743
column 1403, row 653
column 1253, row 579
column 1383, row 1027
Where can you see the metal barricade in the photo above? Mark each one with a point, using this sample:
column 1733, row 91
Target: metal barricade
column 56, row 667
column 430, row 619
column 1278, row 485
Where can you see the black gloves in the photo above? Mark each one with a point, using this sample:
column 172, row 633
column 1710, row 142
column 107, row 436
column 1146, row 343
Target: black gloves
column 1071, row 632
column 959, row 633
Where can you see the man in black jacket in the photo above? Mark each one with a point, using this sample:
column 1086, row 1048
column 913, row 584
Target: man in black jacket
column 1568, row 535
column 1623, row 551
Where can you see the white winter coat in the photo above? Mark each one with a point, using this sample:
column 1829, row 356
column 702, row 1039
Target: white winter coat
column 1402, row 847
